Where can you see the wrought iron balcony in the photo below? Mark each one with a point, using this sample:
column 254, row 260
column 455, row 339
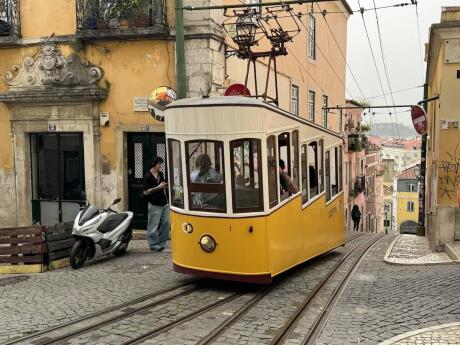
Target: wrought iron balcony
column 109, row 18
column 359, row 186
column 9, row 19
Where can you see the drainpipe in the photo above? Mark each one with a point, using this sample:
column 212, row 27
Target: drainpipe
column 181, row 82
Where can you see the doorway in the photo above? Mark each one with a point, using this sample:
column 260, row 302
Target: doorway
column 58, row 177
column 142, row 147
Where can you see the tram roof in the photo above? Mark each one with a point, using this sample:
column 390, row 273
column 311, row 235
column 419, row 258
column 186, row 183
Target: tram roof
column 241, row 101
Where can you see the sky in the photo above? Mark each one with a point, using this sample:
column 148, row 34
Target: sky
column 402, row 52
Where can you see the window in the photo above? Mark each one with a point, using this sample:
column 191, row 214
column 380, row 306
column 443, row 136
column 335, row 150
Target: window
column 339, row 168
column 411, row 187
column 272, row 171
column 311, row 36
column 334, row 172
column 295, row 158
column 328, row 174
column 311, row 106
column 304, row 163
column 295, row 100
column 320, row 164
column 410, row 206
column 340, row 122
column 175, row 173
column 312, row 159
column 284, row 155
column 206, row 180
column 325, row 112
column 246, row 175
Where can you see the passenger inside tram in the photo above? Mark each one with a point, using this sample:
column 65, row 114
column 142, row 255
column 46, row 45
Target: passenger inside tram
column 286, row 183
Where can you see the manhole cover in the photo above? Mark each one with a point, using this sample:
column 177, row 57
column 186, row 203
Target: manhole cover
column 12, row 280
column 136, row 268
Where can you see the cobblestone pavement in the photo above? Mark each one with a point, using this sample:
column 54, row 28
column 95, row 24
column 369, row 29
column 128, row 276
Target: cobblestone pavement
column 383, row 301
column 41, row 301
column 411, row 249
column 444, row 334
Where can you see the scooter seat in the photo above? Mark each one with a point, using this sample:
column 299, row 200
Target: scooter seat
column 111, row 222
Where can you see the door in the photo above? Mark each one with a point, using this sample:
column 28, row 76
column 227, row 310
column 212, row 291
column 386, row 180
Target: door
column 58, row 176
column 142, row 148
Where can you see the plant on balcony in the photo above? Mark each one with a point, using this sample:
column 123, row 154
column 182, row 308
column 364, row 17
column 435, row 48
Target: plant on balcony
column 141, row 14
column 354, row 142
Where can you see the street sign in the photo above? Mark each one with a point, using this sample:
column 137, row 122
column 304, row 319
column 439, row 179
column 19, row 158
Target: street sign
column 419, row 119
column 237, row 90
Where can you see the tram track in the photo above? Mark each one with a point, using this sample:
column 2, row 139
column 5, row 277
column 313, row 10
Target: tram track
column 320, row 320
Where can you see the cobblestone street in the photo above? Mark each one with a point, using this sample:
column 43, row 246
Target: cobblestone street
column 381, row 303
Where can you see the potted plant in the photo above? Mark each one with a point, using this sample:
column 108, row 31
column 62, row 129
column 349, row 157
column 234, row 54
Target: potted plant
column 141, row 13
column 122, row 9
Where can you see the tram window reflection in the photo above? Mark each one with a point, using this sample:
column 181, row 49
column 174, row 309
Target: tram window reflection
column 327, row 168
column 334, row 180
column 304, row 164
column 247, row 176
column 312, row 157
column 206, row 175
column 272, row 171
column 175, row 171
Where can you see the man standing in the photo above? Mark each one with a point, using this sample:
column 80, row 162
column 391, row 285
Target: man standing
column 158, row 208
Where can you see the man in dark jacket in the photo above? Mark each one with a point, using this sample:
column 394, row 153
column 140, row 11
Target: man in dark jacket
column 158, row 208
column 356, row 217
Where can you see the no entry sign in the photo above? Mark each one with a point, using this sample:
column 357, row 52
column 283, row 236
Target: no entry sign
column 419, row 119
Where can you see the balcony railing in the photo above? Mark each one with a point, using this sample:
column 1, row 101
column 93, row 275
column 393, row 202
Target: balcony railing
column 9, row 18
column 121, row 17
column 359, row 186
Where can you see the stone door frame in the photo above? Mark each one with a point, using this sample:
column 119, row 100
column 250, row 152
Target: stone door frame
column 76, row 117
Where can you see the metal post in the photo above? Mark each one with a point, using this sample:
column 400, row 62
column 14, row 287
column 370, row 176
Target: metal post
column 421, row 192
column 181, row 81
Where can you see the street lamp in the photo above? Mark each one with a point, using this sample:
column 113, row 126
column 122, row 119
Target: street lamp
column 246, row 29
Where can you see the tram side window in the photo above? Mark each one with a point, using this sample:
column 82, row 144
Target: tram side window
column 175, row 173
column 284, row 154
column 334, row 179
column 321, row 165
column 205, row 169
column 327, row 168
column 272, row 171
column 312, row 158
column 247, row 175
column 304, row 164
column 295, row 158
column 339, row 168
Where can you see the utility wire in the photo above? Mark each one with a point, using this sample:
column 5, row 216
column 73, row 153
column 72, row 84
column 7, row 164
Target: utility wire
column 327, row 60
column 397, row 91
column 385, row 67
column 341, row 52
column 419, row 39
column 373, row 58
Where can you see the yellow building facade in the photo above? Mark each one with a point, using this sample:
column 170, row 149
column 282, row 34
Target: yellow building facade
column 405, row 201
column 74, row 123
column 443, row 153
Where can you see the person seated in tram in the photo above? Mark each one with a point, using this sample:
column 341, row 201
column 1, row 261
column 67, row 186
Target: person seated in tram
column 286, row 184
column 204, row 173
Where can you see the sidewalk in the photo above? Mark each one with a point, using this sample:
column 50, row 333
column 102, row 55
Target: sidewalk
column 448, row 334
column 413, row 250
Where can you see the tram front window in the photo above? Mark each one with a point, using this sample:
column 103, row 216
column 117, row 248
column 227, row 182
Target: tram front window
column 246, row 176
column 205, row 167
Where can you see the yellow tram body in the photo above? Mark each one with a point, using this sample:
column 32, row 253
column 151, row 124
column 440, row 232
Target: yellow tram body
column 258, row 231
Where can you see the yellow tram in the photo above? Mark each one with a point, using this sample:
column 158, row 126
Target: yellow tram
column 232, row 216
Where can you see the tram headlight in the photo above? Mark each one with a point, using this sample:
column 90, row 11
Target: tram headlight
column 207, row 243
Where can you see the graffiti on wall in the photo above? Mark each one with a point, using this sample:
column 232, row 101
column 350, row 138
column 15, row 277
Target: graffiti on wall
column 449, row 174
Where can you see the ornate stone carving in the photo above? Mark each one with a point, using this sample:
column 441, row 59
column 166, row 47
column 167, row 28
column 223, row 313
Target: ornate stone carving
column 52, row 69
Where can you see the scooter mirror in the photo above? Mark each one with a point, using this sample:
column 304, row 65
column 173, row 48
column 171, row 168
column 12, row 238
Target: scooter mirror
column 116, row 201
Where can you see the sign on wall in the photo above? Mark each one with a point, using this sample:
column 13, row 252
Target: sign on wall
column 140, row 103
column 419, row 119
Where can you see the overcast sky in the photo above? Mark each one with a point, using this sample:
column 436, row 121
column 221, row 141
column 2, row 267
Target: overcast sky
column 400, row 40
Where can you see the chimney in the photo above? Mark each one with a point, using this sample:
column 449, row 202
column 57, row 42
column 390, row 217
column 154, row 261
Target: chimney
column 450, row 14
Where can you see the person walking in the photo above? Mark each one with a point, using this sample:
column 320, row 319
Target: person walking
column 356, row 217
column 158, row 207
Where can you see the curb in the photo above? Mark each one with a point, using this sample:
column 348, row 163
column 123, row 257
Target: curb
column 389, row 261
column 419, row 331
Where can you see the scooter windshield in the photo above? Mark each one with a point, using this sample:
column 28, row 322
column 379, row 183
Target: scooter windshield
column 88, row 213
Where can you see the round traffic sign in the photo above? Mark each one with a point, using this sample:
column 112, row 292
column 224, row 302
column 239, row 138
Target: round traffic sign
column 419, row 119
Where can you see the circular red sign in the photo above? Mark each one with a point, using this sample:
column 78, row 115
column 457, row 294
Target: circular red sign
column 237, row 90
column 419, row 119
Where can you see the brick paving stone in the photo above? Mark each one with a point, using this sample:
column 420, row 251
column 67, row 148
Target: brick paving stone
column 382, row 301
column 444, row 334
column 411, row 249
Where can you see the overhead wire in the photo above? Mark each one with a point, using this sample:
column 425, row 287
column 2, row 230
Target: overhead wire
column 419, row 39
column 394, row 92
column 341, row 52
column 385, row 67
column 375, row 61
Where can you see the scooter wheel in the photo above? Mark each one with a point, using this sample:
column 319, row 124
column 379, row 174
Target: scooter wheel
column 78, row 254
column 121, row 249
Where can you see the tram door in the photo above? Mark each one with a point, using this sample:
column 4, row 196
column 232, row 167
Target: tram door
column 142, row 147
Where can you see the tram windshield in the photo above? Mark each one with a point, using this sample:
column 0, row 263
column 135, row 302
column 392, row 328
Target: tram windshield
column 205, row 167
